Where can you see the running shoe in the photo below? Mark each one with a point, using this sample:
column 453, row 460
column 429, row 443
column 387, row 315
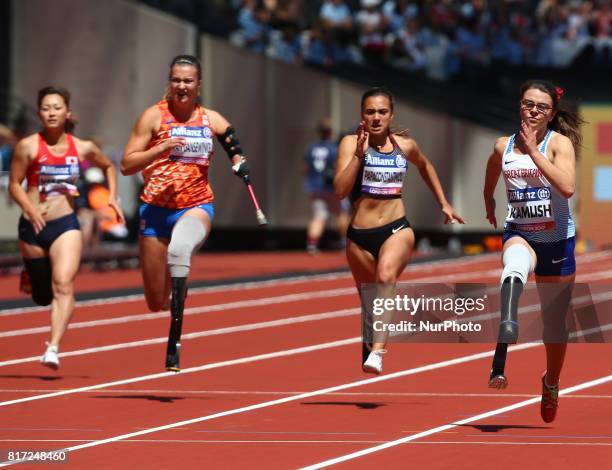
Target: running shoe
column 550, row 401
column 374, row 362
column 313, row 250
column 50, row 357
column 499, row 381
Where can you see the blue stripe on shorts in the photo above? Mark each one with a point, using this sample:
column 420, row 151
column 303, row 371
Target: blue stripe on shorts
column 159, row 221
column 554, row 258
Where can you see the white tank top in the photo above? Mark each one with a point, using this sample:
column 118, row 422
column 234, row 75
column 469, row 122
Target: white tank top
column 535, row 208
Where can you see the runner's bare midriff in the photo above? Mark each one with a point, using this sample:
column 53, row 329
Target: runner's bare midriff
column 370, row 212
column 52, row 207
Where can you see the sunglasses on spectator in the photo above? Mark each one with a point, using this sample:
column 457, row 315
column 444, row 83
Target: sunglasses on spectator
column 541, row 107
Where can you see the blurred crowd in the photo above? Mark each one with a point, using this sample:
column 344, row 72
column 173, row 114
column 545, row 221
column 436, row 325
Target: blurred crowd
column 442, row 38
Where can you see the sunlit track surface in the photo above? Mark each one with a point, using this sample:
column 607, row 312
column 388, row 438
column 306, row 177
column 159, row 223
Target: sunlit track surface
column 272, row 375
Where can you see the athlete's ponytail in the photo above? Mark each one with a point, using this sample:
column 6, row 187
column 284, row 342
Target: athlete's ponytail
column 565, row 122
column 568, row 123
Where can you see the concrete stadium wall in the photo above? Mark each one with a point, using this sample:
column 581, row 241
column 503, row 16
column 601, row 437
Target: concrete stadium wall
column 275, row 107
column 113, row 56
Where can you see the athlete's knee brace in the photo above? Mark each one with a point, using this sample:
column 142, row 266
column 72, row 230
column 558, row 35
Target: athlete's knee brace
column 39, row 271
column 187, row 237
column 517, row 263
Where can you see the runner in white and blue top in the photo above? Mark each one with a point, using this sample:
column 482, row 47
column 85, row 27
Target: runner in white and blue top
column 537, row 211
column 371, row 168
column 538, row 164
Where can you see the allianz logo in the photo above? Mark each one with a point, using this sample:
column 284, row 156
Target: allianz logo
column 186, row 131
column 377, row 161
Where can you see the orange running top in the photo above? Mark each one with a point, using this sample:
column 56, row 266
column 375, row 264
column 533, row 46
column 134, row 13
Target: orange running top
column 178, row 178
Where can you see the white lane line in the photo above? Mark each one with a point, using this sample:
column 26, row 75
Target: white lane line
column 527, row 309
column 241, row 286
column 216, row 365
column 420, row 268
column 239, row 304
column 199, row 334
column 446, row 427
column 132, row 391
column 279, row 401
column 326, row 441
column 595, row 276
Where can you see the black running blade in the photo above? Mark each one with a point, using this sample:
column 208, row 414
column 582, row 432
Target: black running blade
column 173, row 356
column 497, row 378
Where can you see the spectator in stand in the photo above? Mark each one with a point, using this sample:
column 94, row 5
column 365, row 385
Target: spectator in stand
column 288, row 47
column 442, row 16
column 505, row 46
column 371, row 24
column 397, row 11
column 336, row 16
column 601, row 24
column 468, row 51
column 253, row 21
column 283, row 13
column 320, row 46
column 409, row 47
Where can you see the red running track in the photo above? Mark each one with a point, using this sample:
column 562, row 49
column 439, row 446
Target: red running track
column 271, row 379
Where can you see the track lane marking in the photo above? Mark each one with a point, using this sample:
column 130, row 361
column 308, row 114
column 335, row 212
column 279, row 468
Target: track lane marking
column 325, row 441
column 526, row 309
column 216, row 365
column 199, row 334
column 447, row 427
column 267, row 404
column 239, row 304
column 346, row 291
column 230, row 287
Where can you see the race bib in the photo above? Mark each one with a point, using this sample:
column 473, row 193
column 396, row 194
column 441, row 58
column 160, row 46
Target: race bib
column 198, row 148
column 384, row 180
column 530, row 209
column 54, row 180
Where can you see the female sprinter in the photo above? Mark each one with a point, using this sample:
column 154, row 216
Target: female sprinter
column 50, row 240
column 539, row 169
column 380, row 239
column 172, row 143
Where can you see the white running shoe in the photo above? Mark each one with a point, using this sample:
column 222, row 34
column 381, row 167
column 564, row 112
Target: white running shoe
column 50, row 358
column 374, row 362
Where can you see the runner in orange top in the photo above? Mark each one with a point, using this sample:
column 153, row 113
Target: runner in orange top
column 172, row 144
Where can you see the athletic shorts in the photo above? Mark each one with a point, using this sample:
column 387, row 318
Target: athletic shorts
column 372, row 239
column 51, row 231
column 554, row 258
column 159, row 221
